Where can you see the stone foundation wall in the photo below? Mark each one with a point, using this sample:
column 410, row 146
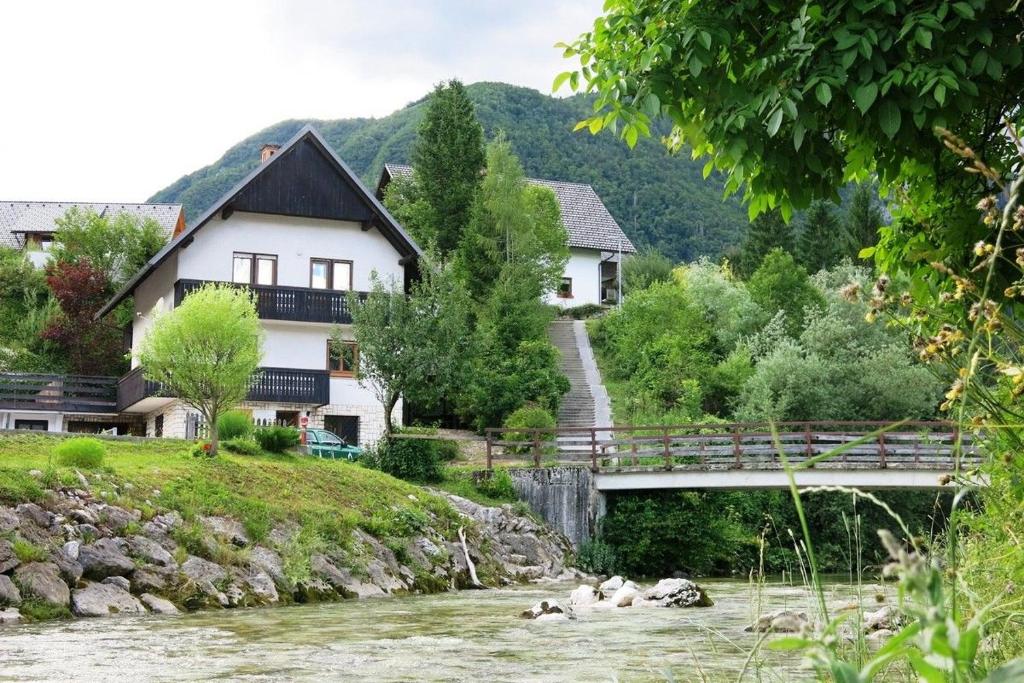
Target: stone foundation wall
column 564, row 497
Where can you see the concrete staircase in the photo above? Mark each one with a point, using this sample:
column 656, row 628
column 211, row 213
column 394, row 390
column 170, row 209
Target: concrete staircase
column 586, row 404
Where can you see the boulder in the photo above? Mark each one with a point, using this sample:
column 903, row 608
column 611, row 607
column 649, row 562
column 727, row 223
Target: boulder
column 261, row 586
column 677, row 593
column 71, row 549
column 42, row 580
column 158, row 605
column 102, row 559
column 583, row 598
column 9, row 616
column 625, row 596
column 783, row 621
column 8, row 520
column 611, row 585
column 153, row 579
column 203, row 571
column 880, row 635
column 268, row 561
column 116, row 519
column 150, row 551
column 30, row 512
column 553, row 617
column 9, row 593
column 119, row 581
column 226, row 529
column 341, row 580
column 70, row 570
column 8, row 560
column 83, row 516
column 885, row 618
column 541, row 608
column 104, row 600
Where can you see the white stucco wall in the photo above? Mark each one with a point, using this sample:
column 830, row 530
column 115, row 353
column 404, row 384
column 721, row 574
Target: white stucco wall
column 155, row 294
column 584, row 267
column 294, row 241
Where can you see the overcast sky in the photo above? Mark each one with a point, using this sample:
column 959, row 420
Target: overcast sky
column 112, row 101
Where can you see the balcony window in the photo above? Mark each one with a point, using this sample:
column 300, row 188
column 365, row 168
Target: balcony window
column 342, row 358
column 565, row 288
column 330, row 274
column 254, row 269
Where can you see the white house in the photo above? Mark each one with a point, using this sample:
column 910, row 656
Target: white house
column 596, row 242
column 29, row 226
column 301, row 231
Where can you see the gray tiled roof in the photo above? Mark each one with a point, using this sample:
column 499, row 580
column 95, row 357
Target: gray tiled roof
column 17, row 218
column 584, row 215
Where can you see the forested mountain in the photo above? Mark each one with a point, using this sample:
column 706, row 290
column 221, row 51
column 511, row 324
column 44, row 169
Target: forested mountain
column 675, row 209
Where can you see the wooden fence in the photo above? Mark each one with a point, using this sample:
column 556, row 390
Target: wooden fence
column 877, row 445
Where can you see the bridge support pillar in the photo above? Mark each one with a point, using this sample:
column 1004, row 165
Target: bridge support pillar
column 564, row 497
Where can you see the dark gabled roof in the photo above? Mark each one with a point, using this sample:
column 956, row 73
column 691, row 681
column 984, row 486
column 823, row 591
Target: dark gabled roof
column 323, row 196
column 584, row 215
column 20, row 218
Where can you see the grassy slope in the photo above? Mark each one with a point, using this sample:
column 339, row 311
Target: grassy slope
column 331, row 498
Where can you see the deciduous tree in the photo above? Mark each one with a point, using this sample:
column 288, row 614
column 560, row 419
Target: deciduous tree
column 91, row 347
column 118, row 245
column 206, row 350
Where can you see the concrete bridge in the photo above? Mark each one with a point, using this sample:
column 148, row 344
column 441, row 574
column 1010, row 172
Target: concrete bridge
column 569, row 471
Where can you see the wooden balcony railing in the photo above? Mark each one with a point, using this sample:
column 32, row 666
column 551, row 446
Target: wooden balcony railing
column 302, row 304
column 272, row 385
column 62, row 393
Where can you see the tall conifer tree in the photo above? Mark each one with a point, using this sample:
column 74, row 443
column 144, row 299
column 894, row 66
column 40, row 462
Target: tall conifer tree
column 823, row 240
column 863, row 219
column 768, row 231
column 448, row 158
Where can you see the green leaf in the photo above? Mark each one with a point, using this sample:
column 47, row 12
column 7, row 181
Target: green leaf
column 865, row 96
column 978, row 62
column 964, row 10
column 919, row 118
column 705, row 39
column 798, row 135
column 652, row 105
column 994, row 69
column 923, row 37
column 574, row 80
column 774, row 121
column 846, row 41
column 889, row 118
column 696, row 66
column 848, row 58
column 866, row 252
column 560, row 79
column 789, row 643
column 940, row 94
column 823, row 93
column 789, row 106
column 708, row 167
column 631, row 135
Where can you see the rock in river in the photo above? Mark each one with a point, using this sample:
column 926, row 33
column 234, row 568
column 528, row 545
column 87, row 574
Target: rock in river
column 104, row 600
column 542, row 608
column 784, row 621
column 676, row 593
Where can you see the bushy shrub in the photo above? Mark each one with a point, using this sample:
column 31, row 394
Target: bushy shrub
column 80, row 452
column 277, row 439
column 582, row 312
column 498, row 485
column 411, row 459
column 234, row 424
column 242, row 446
column 596, row 557
column 529, row 417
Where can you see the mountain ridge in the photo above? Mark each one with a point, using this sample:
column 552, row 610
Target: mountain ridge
column 659, row 199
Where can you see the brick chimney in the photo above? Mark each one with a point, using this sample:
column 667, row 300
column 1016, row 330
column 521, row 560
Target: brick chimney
column 267, row 151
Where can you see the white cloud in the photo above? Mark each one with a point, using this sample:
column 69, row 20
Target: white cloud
column 112, row 101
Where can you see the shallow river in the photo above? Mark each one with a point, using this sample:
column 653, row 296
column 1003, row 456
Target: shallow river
column 467, row 636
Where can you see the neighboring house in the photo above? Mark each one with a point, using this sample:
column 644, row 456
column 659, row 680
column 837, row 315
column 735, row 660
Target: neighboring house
column 596, row 242
column 29, row 226
column 301, row 231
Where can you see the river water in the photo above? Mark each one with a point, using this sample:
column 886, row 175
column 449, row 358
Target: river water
column 465, row 636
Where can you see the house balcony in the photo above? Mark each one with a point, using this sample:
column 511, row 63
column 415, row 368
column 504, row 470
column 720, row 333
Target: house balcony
column 273, row 302
column 58, row 393
column 136, row 394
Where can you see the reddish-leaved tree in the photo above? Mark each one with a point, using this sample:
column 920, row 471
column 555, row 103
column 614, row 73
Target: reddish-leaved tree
column 92, row 347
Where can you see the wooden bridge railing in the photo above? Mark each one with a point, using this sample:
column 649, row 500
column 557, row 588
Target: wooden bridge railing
column 876, row 445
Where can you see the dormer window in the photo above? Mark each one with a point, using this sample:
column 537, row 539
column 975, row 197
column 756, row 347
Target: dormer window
column 330, row 274
column 254, row 269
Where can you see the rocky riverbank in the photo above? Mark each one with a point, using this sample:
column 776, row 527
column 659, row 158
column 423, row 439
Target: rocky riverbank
column 74, row 554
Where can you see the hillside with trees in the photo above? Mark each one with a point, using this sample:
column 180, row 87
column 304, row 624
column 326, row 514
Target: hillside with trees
column 659, row 199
